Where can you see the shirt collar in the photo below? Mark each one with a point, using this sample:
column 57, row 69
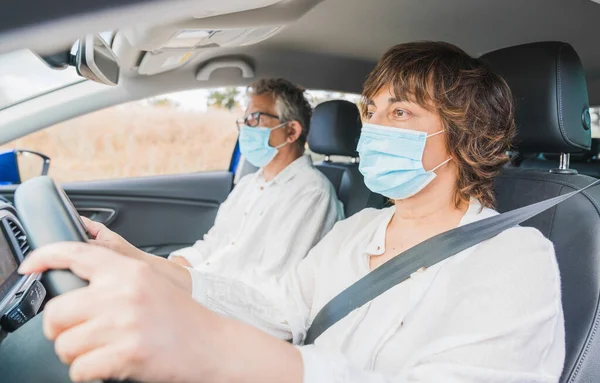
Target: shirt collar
column 376, row 245
column 290, row 171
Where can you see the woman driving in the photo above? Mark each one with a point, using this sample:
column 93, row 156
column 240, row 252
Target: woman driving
column 437, row 125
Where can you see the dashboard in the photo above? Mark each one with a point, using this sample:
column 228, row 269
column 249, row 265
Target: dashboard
column 8, row 267
column 20, row 296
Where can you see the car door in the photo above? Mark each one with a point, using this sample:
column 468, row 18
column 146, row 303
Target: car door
column 154, row 171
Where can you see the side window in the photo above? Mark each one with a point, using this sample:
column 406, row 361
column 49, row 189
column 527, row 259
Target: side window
column 315, row 97
column 595, row 115
column 184, row 132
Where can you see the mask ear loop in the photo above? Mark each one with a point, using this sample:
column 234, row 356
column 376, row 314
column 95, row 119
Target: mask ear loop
column 436, row 133
column 278, row 126
column 443, row 163
column 440, row 165
column 286, row 141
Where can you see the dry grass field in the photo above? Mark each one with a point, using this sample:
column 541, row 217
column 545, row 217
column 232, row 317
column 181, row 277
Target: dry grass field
column 134, row 140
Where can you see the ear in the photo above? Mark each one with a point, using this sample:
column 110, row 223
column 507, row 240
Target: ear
column 294, row 131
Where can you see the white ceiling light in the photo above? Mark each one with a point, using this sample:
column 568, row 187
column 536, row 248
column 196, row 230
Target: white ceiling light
column 187, row 38
column 214, row 8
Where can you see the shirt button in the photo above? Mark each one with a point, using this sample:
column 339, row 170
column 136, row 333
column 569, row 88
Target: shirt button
column 378, row 247
column 262, row 188
column 207, row 263
column 233, row 242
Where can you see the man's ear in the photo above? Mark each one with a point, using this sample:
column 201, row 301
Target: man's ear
column 294, row 131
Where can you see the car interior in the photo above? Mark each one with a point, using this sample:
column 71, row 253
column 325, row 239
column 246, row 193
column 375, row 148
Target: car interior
column 555, row 116
column 544, row 49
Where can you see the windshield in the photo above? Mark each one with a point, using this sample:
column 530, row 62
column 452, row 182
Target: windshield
column 23, row 76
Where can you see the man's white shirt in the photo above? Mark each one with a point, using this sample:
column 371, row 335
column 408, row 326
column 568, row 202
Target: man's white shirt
column 265, row 228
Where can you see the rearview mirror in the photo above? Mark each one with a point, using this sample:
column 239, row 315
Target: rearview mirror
column 17, row 166
column 96, row 61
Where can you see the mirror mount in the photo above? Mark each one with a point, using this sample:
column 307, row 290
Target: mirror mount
column 94, row 60
column 58, row 61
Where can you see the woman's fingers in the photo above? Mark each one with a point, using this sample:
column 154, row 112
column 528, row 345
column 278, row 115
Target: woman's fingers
column 83, row 259
column 92, row 227
column 114, row 361
column 85, row 337
column 72, row 309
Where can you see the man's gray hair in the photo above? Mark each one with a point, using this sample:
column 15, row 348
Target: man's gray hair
column 290, row 102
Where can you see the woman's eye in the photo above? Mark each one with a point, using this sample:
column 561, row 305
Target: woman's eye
column 400, row 113
column 369, row 115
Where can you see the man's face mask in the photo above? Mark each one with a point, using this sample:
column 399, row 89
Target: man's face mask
column 254, row 144
column 391, row 160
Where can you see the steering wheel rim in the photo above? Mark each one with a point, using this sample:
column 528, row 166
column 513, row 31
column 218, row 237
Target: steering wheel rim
column 48, row 216
column 40, row 201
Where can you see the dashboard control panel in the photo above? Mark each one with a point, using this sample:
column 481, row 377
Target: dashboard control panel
column 21, row 297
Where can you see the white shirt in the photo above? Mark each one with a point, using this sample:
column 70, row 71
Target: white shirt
column 265, row 228
column 491, row 313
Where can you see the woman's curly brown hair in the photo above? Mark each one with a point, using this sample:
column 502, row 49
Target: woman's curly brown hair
column 474, row 103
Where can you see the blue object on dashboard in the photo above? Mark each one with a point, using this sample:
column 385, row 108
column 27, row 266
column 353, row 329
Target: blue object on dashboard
column 235, row 158
column 9, row 168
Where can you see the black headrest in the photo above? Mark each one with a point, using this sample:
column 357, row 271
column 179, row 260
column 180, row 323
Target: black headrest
column 548, row 83
column 335, row 128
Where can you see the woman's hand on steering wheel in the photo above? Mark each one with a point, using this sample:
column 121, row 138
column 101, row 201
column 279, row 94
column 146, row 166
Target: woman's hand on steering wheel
column 104, row 237
column 128, row 323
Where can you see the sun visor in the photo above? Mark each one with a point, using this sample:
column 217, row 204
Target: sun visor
column 162, row 39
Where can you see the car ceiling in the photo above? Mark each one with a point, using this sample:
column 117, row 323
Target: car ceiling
column 333, row 44
column 365, row 29
column 359, row 32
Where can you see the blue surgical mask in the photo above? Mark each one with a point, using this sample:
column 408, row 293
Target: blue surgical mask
column 391, row 160
column 254, row 145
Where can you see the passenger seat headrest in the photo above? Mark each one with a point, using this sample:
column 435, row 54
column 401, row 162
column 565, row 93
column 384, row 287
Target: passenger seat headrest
column 548, row 83
column 335, row 129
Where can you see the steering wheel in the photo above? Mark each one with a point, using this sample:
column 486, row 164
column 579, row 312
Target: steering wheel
column 48, row 216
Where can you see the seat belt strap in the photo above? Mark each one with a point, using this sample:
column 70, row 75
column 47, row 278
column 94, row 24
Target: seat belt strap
column 377, row 201
column 425, row 254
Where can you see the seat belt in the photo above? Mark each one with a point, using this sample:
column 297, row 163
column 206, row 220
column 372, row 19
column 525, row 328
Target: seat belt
column 375, row 200
column 425, row 254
